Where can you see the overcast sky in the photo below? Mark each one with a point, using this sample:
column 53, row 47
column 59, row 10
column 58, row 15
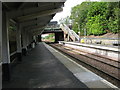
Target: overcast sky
column 67, row 9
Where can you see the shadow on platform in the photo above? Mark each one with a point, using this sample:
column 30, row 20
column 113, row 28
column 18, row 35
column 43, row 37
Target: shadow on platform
column 41, row 69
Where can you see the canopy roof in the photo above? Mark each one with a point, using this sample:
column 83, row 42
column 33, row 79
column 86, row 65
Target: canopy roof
column 32, row 16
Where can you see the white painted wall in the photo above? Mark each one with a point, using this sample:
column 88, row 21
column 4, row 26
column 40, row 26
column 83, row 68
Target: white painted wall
column 109, row 52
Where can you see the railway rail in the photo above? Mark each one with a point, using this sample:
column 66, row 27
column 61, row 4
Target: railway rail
column 107, row 68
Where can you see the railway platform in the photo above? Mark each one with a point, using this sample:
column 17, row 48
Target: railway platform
column 92, row 80
column 45, row 67
column 41, row 69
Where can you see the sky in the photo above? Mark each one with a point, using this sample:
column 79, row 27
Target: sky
column 67, row 9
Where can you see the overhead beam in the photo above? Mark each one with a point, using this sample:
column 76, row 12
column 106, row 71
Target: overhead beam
column 34, row 0
column 34, row 27
column 4, row 4
column 26, row 11
column 21, row 12
column 11, row 20
column 39, row 14
column 37, row 32
column 38, row 21
column 30, row 25
column 22, row 5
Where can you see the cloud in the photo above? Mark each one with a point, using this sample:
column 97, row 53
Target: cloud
column 66, row 9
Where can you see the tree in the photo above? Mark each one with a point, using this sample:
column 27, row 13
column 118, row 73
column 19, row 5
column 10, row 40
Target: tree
column 113, row 16
column 96, row 17
column 79, row 15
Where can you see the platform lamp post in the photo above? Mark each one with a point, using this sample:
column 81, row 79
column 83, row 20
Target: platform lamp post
column 79, row 35
column 85, row 34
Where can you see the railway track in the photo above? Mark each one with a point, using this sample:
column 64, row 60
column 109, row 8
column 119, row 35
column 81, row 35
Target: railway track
column 107, row 68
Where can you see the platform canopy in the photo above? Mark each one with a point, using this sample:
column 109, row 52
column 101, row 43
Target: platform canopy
column 32, row 16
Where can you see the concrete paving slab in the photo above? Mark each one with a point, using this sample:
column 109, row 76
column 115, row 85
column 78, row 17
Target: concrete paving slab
column 89, row 77
column 97, row 84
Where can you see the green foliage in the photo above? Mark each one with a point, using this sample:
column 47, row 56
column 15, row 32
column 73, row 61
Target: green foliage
column 96, row 17
column 50, row 36
column 79, row 16
column 13, row 28
column 114, row 19
column 113, row 25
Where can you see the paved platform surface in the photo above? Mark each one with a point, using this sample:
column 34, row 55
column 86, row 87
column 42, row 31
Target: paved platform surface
column 41, row 69
column 92, row 80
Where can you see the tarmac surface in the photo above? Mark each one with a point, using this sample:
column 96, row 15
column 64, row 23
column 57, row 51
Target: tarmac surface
column 41, row 69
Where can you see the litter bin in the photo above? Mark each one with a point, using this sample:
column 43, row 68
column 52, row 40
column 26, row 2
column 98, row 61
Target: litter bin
column 82, row 40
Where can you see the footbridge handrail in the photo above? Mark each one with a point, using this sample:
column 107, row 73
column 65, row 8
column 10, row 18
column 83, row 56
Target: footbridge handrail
column 71, row 33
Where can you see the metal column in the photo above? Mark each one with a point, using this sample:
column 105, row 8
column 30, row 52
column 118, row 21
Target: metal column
column 0, row 33
column 19, row 48
column 5, row 48
column 0, row 45
column 24, row 49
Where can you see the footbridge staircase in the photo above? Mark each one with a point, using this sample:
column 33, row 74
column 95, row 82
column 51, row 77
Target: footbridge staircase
column 69, row 35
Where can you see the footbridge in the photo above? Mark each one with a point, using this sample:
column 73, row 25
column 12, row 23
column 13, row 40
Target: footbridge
column 69, row 35
column 62, row 32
